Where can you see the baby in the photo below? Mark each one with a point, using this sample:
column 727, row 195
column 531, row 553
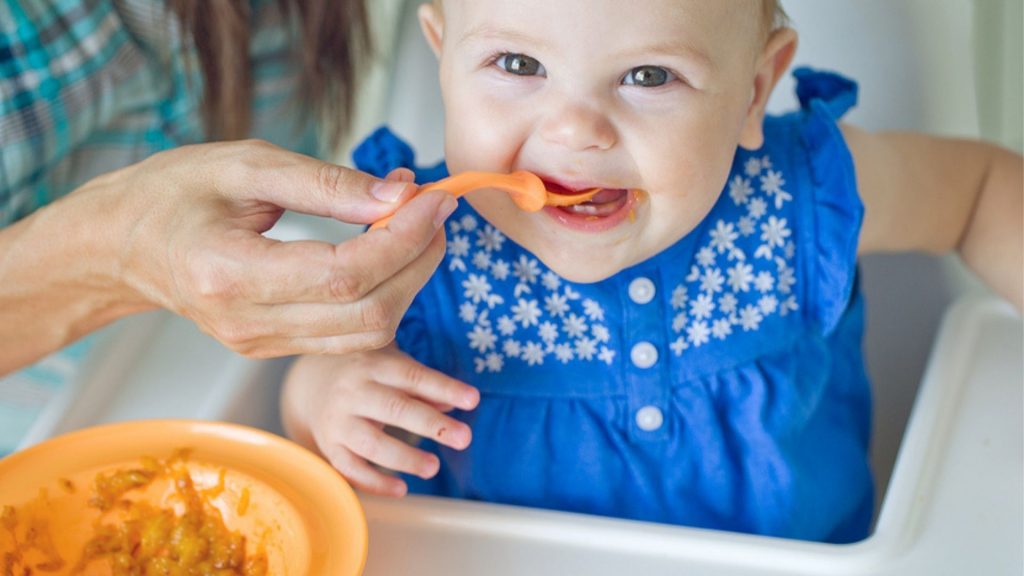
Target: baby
column 685, row 347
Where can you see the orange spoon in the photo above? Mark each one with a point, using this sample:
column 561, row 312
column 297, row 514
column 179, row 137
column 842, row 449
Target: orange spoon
column 526, row 189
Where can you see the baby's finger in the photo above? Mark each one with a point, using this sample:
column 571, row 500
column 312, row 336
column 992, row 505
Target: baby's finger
column 432, row 386
column 362, row 476
column 395, row 408
column 369, row 441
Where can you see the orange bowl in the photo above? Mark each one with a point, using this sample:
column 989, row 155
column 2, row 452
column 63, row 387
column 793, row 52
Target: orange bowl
column 300, row 511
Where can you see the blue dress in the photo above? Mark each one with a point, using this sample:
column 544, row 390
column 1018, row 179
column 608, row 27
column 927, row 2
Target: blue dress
column 718, row 384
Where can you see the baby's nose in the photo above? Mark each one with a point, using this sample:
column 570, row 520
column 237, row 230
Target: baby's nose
column 579, row 127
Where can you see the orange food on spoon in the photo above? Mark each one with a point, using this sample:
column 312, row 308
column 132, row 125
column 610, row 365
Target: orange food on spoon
column 526, row 189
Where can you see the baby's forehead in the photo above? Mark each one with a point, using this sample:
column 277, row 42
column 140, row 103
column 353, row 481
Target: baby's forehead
column 770, row 12
column 610, row 26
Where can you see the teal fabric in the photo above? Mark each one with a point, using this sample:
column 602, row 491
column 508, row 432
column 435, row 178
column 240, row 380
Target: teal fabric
column 90, row 86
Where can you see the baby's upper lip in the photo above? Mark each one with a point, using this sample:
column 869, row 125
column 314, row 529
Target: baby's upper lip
column 566, row 186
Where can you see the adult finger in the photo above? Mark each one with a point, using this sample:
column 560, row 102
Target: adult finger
column 293, row 181
column 332, row 328
column 308, row 271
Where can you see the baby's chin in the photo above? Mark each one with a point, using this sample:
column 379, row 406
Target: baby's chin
column 579, row 269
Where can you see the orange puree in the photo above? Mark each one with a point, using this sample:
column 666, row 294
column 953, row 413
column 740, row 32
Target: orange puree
column 135, row 537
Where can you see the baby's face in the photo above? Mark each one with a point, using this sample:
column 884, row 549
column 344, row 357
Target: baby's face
column 646, row 99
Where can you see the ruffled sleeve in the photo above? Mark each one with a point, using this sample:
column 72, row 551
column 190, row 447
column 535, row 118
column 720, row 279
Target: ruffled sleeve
column 379, row 154
column 383, row 151
column 837, row 211
column 413, row 336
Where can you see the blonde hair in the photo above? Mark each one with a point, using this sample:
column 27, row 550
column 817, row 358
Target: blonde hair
column 775, row 16
column 331, row 40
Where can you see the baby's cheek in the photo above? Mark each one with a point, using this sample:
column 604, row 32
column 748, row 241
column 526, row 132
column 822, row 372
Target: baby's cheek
column 485, row 137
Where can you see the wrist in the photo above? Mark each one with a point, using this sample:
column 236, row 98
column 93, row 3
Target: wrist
column 60, row 277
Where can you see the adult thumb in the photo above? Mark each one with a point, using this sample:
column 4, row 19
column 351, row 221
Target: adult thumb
column 311, row 186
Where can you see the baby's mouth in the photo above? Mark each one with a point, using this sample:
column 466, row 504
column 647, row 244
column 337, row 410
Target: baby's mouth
column 604, row 202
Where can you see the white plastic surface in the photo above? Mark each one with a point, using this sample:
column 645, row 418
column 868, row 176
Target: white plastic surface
column 955, row 503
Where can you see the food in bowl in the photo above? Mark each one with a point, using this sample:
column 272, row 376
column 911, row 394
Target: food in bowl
column 121, row 498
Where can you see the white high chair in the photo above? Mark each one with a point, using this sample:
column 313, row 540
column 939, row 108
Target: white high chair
column 950, row 484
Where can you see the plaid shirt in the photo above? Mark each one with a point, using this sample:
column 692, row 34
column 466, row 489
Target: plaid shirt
column 89, row 86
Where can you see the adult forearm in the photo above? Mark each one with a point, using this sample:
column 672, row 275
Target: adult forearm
column 60, row 277
column 993, row 242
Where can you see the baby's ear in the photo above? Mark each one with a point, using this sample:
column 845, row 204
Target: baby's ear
column 432, row 25
column 772, row 64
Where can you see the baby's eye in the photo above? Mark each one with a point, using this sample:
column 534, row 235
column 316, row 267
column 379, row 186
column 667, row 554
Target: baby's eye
column 520, row 65
column 647, row 76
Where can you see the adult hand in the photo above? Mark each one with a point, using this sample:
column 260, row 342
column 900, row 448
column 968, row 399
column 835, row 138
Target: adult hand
column 339, row 405
column 183, row 230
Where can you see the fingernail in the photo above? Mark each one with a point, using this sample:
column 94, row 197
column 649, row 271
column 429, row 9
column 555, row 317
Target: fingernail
column 470, row 399
column 388, row 191
column 444, row 210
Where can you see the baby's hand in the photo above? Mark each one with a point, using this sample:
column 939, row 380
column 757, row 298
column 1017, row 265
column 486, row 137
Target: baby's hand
column 346, row 401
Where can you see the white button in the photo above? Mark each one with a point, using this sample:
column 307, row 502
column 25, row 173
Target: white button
column 649, row 418
column 641, row 290
column 644, row 355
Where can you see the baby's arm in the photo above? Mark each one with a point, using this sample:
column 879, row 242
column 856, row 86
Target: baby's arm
column 938, row 194
column 339, row 405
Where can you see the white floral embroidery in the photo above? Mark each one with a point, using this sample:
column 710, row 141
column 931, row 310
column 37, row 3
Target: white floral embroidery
column 750, row 317
column 500, row 270
column 494, row 362
column 698, row 333
column 556, row 304
column 593, row 310
column 574, row 326
column 477, row 288
column 482, row 260
column 744, row 270
column 702, row 307
column 482, row 338
column 526, row 312
column 678, row 345
column 752, row 167
column 679, row 297
column 467, row 312
column 586, row 348
column 506, row 326
column 728, row 303
column 723, row 236
column 489, row 239
column 740, row 190
column 551, row 281
column 757, row 208
column 533, row 354
column 526, row 269
column 544, row 317
column 712, row 280
column 548, row 332
column 563, row 352
column 740, row 277
column 772, row 183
